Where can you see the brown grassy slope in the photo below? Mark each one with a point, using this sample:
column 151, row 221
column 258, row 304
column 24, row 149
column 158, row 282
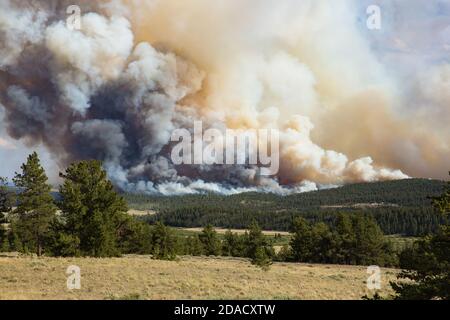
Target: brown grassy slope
column 188, row 278
column 238, row 231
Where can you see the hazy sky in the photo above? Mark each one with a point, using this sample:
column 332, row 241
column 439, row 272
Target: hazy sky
column 13, row 153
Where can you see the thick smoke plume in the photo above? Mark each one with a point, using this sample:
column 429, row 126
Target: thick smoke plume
column 116, row 89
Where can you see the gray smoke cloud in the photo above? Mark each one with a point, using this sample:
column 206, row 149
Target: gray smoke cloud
column 95, row 94
column 106, row 93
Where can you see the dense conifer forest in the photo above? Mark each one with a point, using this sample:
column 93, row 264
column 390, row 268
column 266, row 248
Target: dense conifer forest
column 399, row 207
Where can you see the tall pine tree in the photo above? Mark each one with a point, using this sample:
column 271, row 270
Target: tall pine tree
column 258, row 248
column 5, row 207
column 163, row 242
column 6, row 199
column 427, row 264
column 301, row 242
column 210, row 241
column 35, row 209
column 92, row 211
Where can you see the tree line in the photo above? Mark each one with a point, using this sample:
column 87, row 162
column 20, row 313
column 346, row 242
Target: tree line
column 404, row 221
column 399, row 207
column 90, row 218
column 426, row 265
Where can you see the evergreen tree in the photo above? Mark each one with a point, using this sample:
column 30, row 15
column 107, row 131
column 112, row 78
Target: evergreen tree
column 262, row 259
column 301, row 242
column 5, row 207
column 134, row 237
column 5, row 247
column 323, row 244
column 194, row 246
column 285, row 254
column 370, row 246
column 442, row 202
column 359, row 240
column 6, row 199
column 233, row 245
column 254, row 239
column 16, row 242
column 93, row 214
column 346, row 240
column 427, row 264
column 355, row 239
column 62, row 244
column 228, row 244
column 258, row 249
column 163, row 242
column 210, row 241
column 35, row 209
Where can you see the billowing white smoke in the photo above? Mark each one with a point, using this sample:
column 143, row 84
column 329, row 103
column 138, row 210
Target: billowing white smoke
column 116, row 89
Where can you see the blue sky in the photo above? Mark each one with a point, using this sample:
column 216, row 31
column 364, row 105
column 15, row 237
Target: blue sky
column 413, row 31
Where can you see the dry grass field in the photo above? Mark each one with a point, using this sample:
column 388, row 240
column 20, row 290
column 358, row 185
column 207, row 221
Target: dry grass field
column 237, row 231
column 140, row 213
column 140, row 277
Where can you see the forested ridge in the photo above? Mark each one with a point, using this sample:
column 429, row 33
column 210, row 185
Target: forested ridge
column 399, row 207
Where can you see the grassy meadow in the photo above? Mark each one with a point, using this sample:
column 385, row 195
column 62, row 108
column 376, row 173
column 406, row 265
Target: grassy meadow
column 140, row 277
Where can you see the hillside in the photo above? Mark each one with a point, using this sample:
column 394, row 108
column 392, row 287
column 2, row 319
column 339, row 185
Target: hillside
column 400, row 207
column 140, row 277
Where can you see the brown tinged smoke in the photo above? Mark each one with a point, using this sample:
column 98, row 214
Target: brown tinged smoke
column 116, row 89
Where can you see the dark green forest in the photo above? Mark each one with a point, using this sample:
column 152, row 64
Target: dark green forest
column 399, row 207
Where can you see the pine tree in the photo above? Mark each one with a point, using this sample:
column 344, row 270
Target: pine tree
column 230, row 245
column 234, row 245
column 194, row 246
column 5, row 245
column 370, row 246
column 346, row 240
column 427, row 264
column 6, row 199
column 163, row 242
column 301, row 242
column 134, row 237
column 16, row 242
column 262, row 259
column 258, row 248
column 62, row 244
column 285, row 253
column 442, row 203
column 356, row 239
column 92, row 211
column 323, row 244
column 35, row 209
column 254, row 240
column 5, row 207
column 210, row 241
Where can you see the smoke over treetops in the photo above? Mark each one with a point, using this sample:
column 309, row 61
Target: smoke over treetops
column 137, row 70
